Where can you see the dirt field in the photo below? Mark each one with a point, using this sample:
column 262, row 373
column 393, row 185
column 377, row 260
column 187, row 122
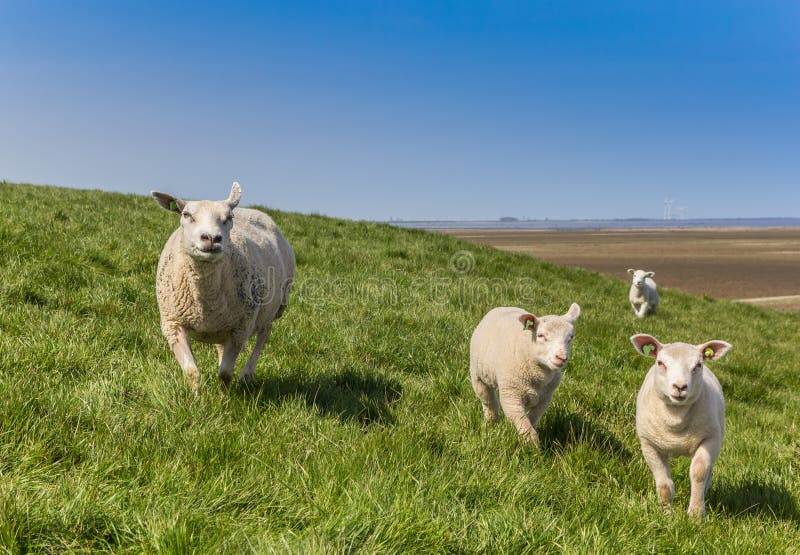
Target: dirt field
column 760, row 265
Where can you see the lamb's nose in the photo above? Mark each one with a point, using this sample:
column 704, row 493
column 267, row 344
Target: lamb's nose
column 206, row 237
column 217, row 239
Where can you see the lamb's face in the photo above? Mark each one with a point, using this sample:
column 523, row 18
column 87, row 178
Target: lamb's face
column 679, row 373
column 206, row 229
column 679, row 367
column 553, row 336
column 638, row 277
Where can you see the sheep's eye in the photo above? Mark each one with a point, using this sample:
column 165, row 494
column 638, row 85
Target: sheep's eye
column 228, row 220
column 187, row 215
column 662, row 365
column 542, row 337
column 698, row 366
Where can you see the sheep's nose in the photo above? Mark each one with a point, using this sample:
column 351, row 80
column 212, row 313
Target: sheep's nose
column 217, row 239
column 680, row 388
column 562, row 357
column 206, row 237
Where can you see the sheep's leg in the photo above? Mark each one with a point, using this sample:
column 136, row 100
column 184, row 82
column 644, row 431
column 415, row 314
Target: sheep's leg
column 700, row 475
column 515, row 410
column 230, row 352
column 249, row 370
column 220, row 350
column 178, row 339
column 659, row 466
column 642, row 312
column 539, row 404
column 487, row 396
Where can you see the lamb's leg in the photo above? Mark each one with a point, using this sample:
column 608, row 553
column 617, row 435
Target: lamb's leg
column 642, row 312
column 659, row 466
column 249, row 370
column 220, row 350
column 230, row 352
column 700, row 475
column 539, row 402
column 487, row 396
column 178, row 339
column 517, row 412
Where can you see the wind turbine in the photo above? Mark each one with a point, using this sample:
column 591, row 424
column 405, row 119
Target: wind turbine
column 668, row 208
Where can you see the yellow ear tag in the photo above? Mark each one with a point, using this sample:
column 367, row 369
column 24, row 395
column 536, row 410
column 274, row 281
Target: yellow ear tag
column 647, row 349
column 708, row 353
column 528, row 324
column 173, row 205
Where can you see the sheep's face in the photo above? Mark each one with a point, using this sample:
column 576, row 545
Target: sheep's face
column 639, row 276
column 206, row 224
column 206, row 228
column 679, row 367
column 679, row 374
column 553, row 337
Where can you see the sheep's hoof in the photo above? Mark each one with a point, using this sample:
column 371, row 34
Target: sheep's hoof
column 697, row 513
column 247, row 378
column 225, row 379
column 192, row 377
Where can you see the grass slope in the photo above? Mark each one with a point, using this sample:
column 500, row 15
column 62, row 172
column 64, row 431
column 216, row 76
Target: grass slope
column 362, row 432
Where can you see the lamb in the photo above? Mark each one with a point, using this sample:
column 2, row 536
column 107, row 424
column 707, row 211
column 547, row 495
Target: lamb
column 643, row 294
column 680, row 411
column 521, row 357
column 224, row 275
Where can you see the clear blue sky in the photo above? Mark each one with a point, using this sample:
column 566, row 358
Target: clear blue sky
column 428, row 109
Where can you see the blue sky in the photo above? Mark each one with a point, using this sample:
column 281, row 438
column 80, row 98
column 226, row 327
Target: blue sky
column 429, row 109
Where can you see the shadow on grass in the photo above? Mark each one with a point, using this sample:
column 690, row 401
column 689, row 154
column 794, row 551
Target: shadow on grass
column 559, row 430
column 754, row 497
column 347, row 395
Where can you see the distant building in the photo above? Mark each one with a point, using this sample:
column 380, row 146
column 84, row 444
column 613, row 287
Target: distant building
column 509, row 219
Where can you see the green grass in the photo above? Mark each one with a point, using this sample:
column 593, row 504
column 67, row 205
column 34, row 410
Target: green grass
column 362, row 432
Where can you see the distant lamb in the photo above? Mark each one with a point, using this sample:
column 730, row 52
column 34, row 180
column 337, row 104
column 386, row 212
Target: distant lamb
column 520, row 356
column 643, row 294
column 224, row 275
column 680, row 411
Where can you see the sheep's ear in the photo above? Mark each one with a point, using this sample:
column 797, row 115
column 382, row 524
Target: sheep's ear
column 631, row 270
column 529, row 321
column 236, row 195
column 646, row 344
column 168, row 202
column 650, row 274
column 572, row 314
column 714, row 349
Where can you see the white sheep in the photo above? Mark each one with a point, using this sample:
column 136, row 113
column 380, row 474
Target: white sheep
column 521, row 357
column 644, row 293
column 224, row 275
column 680, row 411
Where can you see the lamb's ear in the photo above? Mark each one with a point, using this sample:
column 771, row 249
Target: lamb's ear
column 529, row 321
column 649, row 274
column 168, row 202
column 631, row 270
column 236, row 195
column 646, row 344
column 714, row 349
column 572, row 314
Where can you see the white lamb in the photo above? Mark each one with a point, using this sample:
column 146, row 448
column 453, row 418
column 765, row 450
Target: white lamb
column 520, row 356
column 643, row 294
column 224, row 275
column 680, row 411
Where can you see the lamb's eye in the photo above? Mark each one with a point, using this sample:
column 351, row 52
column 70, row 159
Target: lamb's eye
column 541, row 336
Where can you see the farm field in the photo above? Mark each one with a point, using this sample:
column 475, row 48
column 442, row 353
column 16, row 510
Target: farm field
column 760, row 265
column 361, row 432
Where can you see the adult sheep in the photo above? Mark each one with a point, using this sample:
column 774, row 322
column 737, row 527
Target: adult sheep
column 224, row 275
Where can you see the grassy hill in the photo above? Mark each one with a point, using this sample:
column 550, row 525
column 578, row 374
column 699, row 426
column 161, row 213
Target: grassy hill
column 362, row 432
